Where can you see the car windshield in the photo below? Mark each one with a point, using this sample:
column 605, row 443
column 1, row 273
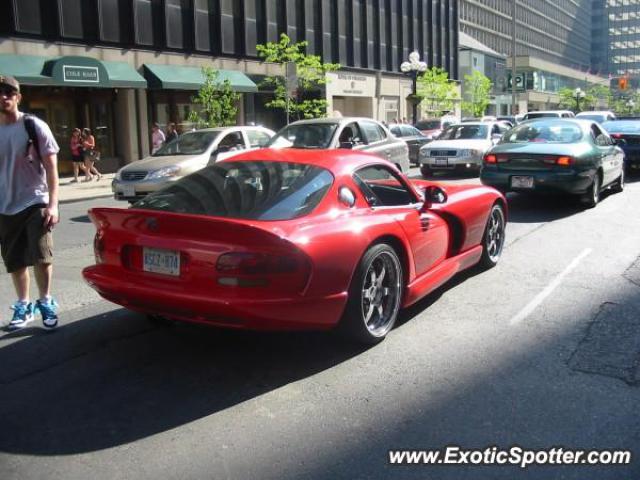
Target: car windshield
column 622, row 127
column 192, row 143
column 465, row 132
column 544, row 132
column 428, row 125
column 257, row 190
column 305, row 135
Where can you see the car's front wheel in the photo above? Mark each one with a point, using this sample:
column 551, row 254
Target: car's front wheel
column 426, row 171
column 493, row 238
column 374, row 295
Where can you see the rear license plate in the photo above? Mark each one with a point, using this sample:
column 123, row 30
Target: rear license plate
column 442, row 161
column 521, row 181
column 166, row 262
column 128, row 190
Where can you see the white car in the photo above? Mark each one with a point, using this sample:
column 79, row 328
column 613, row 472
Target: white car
column 597, row 116
column 188, row 153
column 460, row 146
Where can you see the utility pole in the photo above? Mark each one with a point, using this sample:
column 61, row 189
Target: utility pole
column 513, row 57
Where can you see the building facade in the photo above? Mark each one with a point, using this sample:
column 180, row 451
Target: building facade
column 117, row 65
column 616, row 37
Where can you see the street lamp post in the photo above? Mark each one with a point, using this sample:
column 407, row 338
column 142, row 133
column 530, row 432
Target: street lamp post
column 578, row 94
column 413, row 67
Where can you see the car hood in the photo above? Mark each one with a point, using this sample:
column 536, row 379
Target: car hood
column 149, row 164
column 456, row 144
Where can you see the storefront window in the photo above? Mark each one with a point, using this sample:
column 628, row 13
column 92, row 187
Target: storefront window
column 101, row 120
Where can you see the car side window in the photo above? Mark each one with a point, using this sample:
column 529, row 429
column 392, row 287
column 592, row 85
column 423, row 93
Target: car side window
column 372, row 132
column 600, row 139
column 351, row 134
column 382, row 187
column 396, row 131
column 257, row 138
column 231, row 141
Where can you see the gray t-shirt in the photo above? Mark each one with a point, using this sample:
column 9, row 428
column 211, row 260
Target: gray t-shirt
column 23, row 180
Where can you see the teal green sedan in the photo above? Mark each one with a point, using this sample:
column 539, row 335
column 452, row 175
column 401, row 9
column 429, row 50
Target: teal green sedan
column 556, row 155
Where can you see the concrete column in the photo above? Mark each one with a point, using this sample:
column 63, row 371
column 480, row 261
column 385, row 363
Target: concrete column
column 126, row 130
column 143, row 123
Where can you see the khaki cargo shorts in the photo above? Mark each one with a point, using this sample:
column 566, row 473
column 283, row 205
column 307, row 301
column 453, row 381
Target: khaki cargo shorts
column 24, row 241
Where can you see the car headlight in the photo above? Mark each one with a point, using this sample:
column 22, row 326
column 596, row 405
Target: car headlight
column 118, row 175
column 164, row 172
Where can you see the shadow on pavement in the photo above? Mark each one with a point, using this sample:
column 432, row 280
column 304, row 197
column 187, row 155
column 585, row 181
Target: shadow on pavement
column 112, row 379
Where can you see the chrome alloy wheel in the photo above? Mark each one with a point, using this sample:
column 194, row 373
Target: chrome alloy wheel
column 381, row 290
column 495, row 235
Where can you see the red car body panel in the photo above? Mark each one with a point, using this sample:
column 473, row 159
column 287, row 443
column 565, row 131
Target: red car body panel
column 325, row 246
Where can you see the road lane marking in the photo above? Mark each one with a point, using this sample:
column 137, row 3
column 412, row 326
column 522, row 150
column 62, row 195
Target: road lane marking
column 533, row 304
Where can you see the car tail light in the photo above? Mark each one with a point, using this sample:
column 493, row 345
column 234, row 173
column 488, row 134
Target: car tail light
column 616, row 135
column 565, row 161
column 490, row 158
column 98, row 247
column 248, row 263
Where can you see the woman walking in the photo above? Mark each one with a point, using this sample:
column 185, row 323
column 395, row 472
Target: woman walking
column 75, row 145
column 91, row 155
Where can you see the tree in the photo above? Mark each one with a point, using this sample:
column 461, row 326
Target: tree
column 593, row 96
column 626, row 105
column 437, row 92
column 217, row 102
column 304, row 101
column 476, row 90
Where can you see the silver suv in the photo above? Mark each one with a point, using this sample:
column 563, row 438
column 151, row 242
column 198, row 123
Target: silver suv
column 362, row 134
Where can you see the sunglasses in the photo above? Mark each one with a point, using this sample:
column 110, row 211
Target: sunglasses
column 8, row 92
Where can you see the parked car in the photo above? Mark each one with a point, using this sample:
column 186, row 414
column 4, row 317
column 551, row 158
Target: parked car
column 548, row 114
column 414, row 138
column 597, row 116
column 293, row 239
column 433, row 127
column 460, row 147
column 556, row 155
column 626, row 134
column 191, row 151
column 363, row 134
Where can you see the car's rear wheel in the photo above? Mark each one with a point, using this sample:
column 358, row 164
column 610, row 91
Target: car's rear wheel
column 592, row 197
column 426, row 171
column 618, row 186
column 374, row 296
column 493, row 238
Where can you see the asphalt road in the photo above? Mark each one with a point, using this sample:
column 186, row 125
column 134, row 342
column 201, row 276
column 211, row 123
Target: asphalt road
column 541, row 351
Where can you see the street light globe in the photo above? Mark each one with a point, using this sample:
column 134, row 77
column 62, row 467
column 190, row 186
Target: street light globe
column 579, row 93
column 422, row 66
column 414, row 57
column 405, row 67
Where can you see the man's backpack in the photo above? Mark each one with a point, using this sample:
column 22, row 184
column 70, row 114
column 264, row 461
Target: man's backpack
column 30, row 126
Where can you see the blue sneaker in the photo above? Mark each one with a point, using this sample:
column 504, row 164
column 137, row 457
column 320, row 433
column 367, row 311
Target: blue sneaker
column 22, row 315
column 48, row 312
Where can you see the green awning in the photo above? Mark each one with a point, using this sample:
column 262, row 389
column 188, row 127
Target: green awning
column 70, row 71
column 172, row 77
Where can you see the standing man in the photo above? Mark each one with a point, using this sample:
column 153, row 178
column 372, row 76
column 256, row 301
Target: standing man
column 157, row 137
column 28, row 205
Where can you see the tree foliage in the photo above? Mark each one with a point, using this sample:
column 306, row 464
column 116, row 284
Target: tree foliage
column 216, row 100
column 594, row 96
column 626, row 105
column 438, row 93
column 475, row 94
column 303, row 101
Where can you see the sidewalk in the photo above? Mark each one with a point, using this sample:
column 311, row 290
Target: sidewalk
column 75, row 192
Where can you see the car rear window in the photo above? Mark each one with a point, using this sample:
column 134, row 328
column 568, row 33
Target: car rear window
column 531, row 115
column 622, row 127
column 428, row 125
column 550, row 131
column 257, row 190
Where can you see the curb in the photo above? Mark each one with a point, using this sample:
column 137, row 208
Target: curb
column 83, row 199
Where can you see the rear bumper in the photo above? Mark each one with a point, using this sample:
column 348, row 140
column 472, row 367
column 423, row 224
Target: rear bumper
column 232, row 311
column 571, row 181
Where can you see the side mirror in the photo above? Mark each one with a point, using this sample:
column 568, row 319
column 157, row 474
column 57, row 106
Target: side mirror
column 434, row 194
column 347, row 145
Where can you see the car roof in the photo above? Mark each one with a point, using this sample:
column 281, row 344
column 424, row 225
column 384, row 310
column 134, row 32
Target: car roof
column 339, row 162
column 233, row 127
column 333, row 120
column 549, row 111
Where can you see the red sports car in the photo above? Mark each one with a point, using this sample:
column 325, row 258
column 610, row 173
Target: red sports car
column 290, row 239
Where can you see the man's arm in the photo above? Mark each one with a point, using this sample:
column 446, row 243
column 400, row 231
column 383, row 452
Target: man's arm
column 51, row 215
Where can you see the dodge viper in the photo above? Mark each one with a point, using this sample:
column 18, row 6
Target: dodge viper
column 290, row 239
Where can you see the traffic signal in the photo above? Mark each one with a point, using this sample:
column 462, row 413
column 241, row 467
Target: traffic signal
column 623, row 83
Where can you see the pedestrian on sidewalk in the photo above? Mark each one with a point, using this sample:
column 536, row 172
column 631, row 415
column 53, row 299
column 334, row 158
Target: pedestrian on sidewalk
column 172, row 133
column 157, row 137
column 91, row 155
column 75, row 145
column 28, row 205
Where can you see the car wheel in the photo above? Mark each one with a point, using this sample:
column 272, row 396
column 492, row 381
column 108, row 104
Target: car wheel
column 592, row 197
column 374, row 296
column 426, row 171
column 493, row 238
column 618, row 186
